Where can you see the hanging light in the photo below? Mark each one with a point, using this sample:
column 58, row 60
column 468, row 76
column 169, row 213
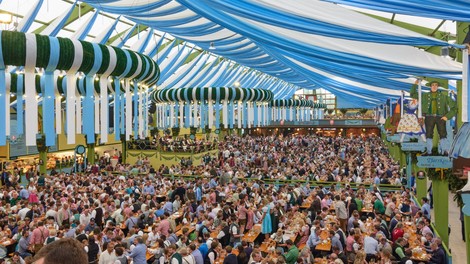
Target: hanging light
column 5, row 18
column 212, row 46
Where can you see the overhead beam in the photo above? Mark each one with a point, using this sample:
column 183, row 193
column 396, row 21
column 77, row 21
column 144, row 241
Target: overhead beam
column 419, row 29
column 76, row 14
column 438, row 26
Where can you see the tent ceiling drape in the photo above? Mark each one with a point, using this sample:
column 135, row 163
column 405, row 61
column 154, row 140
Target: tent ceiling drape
column 310, row 44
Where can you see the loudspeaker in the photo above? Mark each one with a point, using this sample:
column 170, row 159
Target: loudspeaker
column 467, row 38
column 445, row 51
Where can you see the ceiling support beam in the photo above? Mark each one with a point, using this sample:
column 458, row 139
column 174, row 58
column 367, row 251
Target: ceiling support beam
column 438, row 27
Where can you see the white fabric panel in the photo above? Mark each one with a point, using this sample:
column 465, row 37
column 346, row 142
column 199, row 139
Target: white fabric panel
column 48, row 30
column 235, row 77
column 140, row 43
column 58, row 106
column 118, row 40
column 78, row 112
column 400, row 54
column 219, row 35
column 465, row 117
column 140, row 128
column 163, row 51
column 225, row 113
column 100, row 37
column 239, row 115
column 104, row 113
column 172, row 115
column 96, row 102
column 346, row 81
column 165, row 63
column 128, row 108
column 215, row 77
column 70, row 107
column 338, row 15
column 82, row 28
column 23, row 21
column 31, row 103
column 212, row 70
column 185, row 70
column 181, row 114
column 7, row 104
column 197, row 68
column 204, row 72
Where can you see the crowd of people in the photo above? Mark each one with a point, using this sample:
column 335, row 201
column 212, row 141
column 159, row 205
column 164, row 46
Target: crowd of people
column 223, row 212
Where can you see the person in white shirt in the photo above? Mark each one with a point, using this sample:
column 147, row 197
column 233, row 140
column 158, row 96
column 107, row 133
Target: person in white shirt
column 108, row 256
column 85, row 217
column 187, row 258
column 23, row 211
column 153, row 236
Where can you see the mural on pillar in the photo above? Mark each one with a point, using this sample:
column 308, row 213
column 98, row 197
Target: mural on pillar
column 391, row 123
column 437, row 108
column 409, row 123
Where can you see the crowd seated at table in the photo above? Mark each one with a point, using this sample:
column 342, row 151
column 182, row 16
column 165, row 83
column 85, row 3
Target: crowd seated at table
column 224, row 212
column 183, row 144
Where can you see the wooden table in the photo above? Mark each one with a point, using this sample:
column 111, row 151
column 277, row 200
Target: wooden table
column 325, row 244
column 251, row 235
column 214, row 233
column 8, row 242
column 191, row 228
column 420, row 257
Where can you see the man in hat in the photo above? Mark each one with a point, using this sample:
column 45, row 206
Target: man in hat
column 437, row 107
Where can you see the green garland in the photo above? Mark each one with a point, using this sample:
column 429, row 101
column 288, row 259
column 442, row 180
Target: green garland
column 14, row 47
column 194, row 94
column 166, row 158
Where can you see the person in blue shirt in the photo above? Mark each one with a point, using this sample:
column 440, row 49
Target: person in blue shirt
column 426, row 208
column 149, row 189
column 24, row 193
column 159, row 212
column 196, row 254
column 198, row 192
column 138, row 254
column 313, row 240
column 203, row 248
column 91, row 226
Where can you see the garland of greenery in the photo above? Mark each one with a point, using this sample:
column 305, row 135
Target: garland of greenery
column 216, row 94
column 142, row 67
column 296, row 103
column 166, row 158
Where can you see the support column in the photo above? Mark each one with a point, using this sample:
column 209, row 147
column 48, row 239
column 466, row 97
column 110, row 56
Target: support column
column 409, row 169
column 403, row 159
column 123, row 149
column 43, row 161
column 462, row 28
column 467, row 236
column 441, row 206
column 421, row 185
column 42, row 149
column 90, row 154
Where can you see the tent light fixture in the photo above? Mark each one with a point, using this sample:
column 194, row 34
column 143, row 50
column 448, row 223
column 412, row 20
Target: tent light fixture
column 212, row 46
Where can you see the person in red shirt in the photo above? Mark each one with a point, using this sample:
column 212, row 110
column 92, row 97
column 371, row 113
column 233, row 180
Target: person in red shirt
column 38, row 236
column 397, row 232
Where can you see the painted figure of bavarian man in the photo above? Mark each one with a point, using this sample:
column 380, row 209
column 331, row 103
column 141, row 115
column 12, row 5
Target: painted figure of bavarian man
column 437, row 107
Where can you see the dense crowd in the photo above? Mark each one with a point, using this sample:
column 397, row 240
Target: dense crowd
column 228, row 215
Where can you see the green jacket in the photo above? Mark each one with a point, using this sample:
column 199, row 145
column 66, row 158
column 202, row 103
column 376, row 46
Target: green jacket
column 445, row 105
column 292, row 255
